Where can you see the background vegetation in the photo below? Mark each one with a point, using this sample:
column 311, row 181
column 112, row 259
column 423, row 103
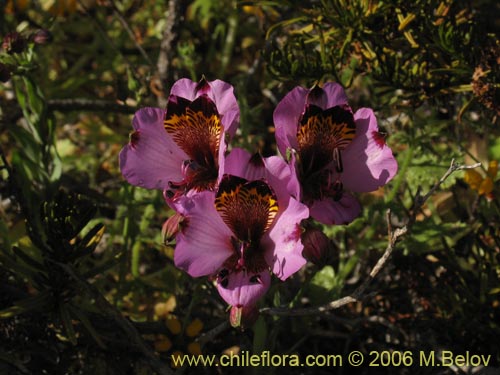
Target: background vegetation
column 86, row 283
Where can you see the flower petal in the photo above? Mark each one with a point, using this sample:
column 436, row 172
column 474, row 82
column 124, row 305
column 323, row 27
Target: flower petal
column 243, row 288
column 152, row 158
column 185, row 88
column 273, row 169
column 220, row 92
column 287, row 116
column 204, row 243
column 282, row 242
column 368, row 161
column 334, row 95
column 329, row 212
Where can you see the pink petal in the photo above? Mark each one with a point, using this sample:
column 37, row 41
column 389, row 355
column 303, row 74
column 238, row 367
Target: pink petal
column 330, row 212
column 274, row 170
column 220, row 92
column 203, row 245
column 238, row 164
column 185, row 88
column 334, row 96
column 286, row 118
column 152, row 158
column 282, row 241
column 243, row 288
column 368, row 161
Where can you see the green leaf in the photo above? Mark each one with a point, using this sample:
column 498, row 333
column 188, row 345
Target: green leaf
column 28, row 259
column 37, row 303
column 260, row 335
column 82, row 317
column 321, row 288
column 67, row 323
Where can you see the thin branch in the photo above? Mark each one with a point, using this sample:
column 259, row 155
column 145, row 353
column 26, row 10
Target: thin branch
column 214, row 332
column 83, row 104
column 453, row 168
column 355, row 296
column 165, row 53
column 129, row 31
column 394, row 235
column 420, row 200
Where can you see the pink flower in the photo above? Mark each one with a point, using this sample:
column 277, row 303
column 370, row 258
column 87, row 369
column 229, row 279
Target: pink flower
column 333, row 151
column 242, row 290
column 249, row 226
column 182, row 148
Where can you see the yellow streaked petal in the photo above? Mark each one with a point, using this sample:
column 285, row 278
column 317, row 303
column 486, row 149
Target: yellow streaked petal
column 486, row 186
column 492, row 169
column 473, row 179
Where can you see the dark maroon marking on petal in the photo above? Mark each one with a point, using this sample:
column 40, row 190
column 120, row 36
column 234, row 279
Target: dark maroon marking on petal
column 176, row 106
column 315, row 94
column 320, row 133
column 222, row 277
column 202, row 86
column 248, row 208
column 379, row 138
column 195, row 127
column 134, row 138
column 256, row 160
column 205, row 105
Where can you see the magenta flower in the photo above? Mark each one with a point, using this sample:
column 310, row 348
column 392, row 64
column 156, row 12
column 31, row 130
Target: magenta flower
column 242, row 290
column 333, row 151
column 249, row 226
column 182, row 148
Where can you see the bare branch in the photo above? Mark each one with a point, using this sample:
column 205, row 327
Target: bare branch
column 129, row 31
column 355, row 296
column 394, row 235
column 214, row 332
column 420, row 200
column 83, row 104
column 164, row 56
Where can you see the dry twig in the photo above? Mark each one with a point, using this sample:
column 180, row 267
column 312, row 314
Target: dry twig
column 394, row 235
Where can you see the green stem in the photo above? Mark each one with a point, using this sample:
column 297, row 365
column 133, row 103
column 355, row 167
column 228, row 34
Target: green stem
column 227, row 52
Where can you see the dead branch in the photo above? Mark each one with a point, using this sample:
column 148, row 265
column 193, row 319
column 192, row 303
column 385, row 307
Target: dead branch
column 394, row 235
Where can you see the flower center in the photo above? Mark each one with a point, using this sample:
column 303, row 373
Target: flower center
column 322, row 136
column 248, row 209
column 195, row 127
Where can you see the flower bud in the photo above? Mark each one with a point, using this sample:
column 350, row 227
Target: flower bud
column 171, row 227
column 317, row 246
column 41, row 36
column 242, row 290
column 243, row 316
column 13, row 42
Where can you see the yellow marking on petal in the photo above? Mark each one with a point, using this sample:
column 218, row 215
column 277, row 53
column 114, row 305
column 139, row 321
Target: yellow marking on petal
column 326, row 132
column 248, row 208
column 194, row 130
